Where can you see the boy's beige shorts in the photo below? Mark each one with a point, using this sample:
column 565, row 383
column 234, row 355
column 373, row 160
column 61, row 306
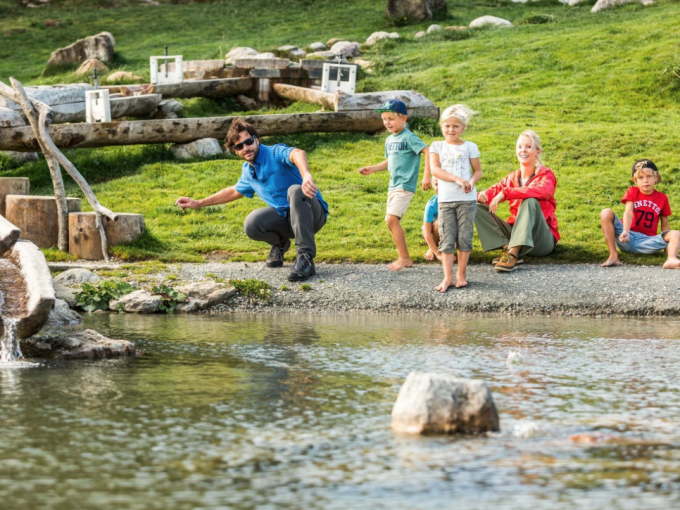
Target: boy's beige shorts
column 398, row 201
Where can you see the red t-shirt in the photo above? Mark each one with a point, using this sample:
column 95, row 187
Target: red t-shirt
column 646, row 210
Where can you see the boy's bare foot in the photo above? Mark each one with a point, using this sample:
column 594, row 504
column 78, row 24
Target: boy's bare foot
column 612, row 262
column 672, row 263
column 444, row 285
column 429, row 255
column 461, row 283
column 400, row 264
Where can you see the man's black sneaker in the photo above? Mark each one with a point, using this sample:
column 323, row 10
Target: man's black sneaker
column 275, row 258
column 303, row 268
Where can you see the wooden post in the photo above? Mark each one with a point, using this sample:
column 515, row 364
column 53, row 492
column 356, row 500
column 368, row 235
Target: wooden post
column 305, row 95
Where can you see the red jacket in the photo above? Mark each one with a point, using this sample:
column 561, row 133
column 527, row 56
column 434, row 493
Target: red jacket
column 541, row 187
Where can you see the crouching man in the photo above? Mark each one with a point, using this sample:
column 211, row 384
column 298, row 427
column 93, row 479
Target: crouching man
column 280, row 176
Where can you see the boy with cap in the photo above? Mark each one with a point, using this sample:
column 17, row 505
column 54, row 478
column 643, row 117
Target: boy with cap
column 402, row 150
column 645, row 209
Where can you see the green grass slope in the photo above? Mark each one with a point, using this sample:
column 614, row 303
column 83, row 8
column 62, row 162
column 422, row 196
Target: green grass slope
column 599, row 89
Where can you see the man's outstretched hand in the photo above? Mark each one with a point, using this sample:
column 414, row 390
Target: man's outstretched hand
column 308, row 188
column 186, row 203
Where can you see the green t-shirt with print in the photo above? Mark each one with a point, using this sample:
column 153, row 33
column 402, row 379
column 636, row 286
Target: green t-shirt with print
column 403, row 160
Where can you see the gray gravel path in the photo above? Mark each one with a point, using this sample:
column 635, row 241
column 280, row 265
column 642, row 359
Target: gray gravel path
column 581, row 289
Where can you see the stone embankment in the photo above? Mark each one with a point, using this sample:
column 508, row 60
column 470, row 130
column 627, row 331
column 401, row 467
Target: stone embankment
column 534, row 289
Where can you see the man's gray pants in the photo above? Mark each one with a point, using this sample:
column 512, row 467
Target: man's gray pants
column 305, row 218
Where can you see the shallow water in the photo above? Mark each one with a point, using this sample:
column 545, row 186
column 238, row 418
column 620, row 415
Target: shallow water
column 292, row 411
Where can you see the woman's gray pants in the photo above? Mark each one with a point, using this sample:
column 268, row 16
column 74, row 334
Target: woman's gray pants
column 305, row 218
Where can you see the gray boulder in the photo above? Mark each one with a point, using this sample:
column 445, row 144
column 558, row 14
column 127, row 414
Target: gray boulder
column 203, row 295
column 419, row 34
column 439, row 403
column 98, row 46
column 201, row 148
column 318, row 46
column 76, row 344
column 414, row 9
column 62, row 315
column 65, row 293
column 377, row 36
column 433, row 28
column 21, row 157
column 322, row 54
column 90, row 65
column 239, row 52
column 346, row 48
column 139, row 301
column 76, row 276
column 265, row 55
column 247, row 103
column 168, row 109
column 490, row 20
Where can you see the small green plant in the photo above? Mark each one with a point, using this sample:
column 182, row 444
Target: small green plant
column 255, row 290
column 305, row 287
column 170, row 297
column 210, row 275
column 284, row 287
column 97, row 297
column 536, row 19
column 171, row 277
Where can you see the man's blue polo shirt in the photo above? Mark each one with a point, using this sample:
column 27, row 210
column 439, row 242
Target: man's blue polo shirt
column 271, row 176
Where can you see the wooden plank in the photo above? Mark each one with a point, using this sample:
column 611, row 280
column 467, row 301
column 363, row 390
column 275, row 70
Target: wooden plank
column 294, row 73
column 52, row 94
column 261, row 63
column 206, row 88
column 304, row 94
column 308, row 63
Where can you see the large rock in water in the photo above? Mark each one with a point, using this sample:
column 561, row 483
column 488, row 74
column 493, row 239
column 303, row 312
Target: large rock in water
column 414, row 9
column 62, row 315
column 98, row 46
column 77, row 344
column 439, row 403
column 203, row 295
column 139, row 301
column 606, row 4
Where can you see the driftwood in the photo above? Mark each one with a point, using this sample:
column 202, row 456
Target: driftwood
column 372, row 100
column 187, row 130
column 36, row 120
column 10, row 118
column 133, row 106
column 304, row 94
column 205, row 88
column 53, row 155
column 51, row 95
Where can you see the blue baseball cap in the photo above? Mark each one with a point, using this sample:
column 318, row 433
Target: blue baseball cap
column 394, row 106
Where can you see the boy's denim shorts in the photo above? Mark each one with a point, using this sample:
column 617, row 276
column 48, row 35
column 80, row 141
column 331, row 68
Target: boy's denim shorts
column 639, row 243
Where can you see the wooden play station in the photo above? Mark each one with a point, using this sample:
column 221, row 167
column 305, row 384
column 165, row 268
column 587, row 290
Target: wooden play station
column 50, row 118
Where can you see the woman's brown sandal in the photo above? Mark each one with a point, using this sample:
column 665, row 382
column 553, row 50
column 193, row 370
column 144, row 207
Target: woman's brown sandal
column 498, row 259
column 507, row 264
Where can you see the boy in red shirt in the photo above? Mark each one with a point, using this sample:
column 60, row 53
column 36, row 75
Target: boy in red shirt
column 639, row 231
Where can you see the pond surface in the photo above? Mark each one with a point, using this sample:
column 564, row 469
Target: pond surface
column 293, row 411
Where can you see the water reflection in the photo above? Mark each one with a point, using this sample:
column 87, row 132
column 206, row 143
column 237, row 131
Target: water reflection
column 290, row 411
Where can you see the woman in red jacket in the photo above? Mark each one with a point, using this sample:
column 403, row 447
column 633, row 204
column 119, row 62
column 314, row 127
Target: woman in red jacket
column 532, row 226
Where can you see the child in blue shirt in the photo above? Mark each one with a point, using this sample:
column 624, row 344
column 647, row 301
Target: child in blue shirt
column 431, row 225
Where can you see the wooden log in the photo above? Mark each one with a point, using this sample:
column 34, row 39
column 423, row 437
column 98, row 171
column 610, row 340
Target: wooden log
column 51, row 94
column 139, row 132
column 9, row 234
column 372, row 100
column 290, row 73
column 262, row 63
column 84, row 237
column 36, row 217
column 10, row 118
column 12, row 186
column 132, row 106
column 305, row 95
column 206, row 88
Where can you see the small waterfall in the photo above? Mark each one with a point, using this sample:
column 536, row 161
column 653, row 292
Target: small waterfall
column 10, row 351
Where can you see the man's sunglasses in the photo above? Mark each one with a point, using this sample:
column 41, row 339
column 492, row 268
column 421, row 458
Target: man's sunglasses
column 249, row 141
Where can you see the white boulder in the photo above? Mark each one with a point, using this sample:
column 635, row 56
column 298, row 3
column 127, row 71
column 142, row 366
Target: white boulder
column 490, row 20
column 441, row 403
column 201, row 148
column 419, row 34
column 318, row 46
column 394, row 35
column 346, row 48
column 203, row 295
column 76, row 276
column 266, row 54
column 377, row 36
column 433, row 28
column 139, row 301
column 606, row 4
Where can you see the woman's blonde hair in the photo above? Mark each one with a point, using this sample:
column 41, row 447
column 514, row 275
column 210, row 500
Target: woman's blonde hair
column 537, row 142
column 460, row 111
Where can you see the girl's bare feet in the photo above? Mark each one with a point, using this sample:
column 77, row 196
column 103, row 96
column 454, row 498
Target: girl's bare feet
column 445, row 285
column 400, row 264
column 429, row 255
column 672, row 263
column 612, row 262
